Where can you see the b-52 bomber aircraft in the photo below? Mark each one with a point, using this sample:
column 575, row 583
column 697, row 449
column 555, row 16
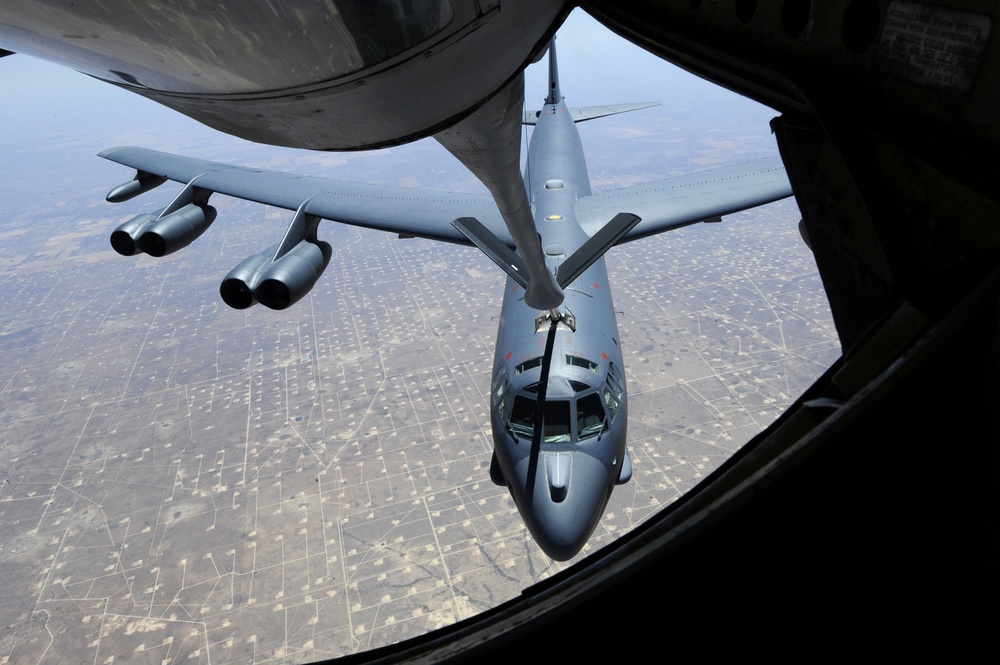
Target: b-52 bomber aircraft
column 558, row 401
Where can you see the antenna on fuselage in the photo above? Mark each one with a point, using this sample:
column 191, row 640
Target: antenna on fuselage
column 555, row 95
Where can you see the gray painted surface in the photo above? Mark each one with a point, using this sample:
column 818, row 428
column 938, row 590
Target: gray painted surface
column 559, row 425
column 299, row 73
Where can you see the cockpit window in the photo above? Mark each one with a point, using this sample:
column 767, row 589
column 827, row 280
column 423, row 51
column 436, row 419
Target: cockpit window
column 613, row 391
column 522, row 416
column 612, row 402
column 589, row 416
column 557, row 419
column 577, row 361
column 557, row 422
column 615, row 380
column 501, row 390
column 499, row 379
column 500, row 376
column 527, row 364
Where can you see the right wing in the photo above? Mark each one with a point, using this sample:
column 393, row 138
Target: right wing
column 408, row 212
column 687, row 199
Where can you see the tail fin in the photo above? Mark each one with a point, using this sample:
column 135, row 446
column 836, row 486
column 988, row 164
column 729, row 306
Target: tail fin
column 582, row 113
column 555, row 95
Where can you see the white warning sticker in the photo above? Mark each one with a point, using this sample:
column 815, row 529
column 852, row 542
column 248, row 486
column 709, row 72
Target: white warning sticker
column 933, row 46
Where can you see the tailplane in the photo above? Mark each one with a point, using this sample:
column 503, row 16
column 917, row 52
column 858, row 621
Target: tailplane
column 580, row 114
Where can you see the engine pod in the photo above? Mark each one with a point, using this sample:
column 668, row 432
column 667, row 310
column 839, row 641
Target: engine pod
column 177, row 230
column 237, row 289
column 123, row 239
column 290, row 277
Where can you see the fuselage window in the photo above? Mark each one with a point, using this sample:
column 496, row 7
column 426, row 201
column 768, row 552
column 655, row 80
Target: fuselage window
column 612, row 403
column 577, row 361
column 589, row 416
column 503, row 400
column 527, row 364
column 614, row 381
column 501, row 390
column 499, row 380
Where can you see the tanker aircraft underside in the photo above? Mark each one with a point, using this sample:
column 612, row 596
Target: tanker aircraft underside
column 558, row 405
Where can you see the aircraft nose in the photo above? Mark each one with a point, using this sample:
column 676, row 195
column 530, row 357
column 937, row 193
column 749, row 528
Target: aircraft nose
column 570, row 490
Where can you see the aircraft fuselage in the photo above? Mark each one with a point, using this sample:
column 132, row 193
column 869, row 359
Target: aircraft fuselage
column 561, row 488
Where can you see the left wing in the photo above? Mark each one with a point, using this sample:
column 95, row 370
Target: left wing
column 688, row 199
column 408, row 212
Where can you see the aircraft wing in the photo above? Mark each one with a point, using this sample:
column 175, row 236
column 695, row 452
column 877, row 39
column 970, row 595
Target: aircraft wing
column 408, row 212
column 674, row 202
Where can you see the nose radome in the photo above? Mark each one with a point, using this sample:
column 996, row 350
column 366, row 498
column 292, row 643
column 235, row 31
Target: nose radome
column 570, row 491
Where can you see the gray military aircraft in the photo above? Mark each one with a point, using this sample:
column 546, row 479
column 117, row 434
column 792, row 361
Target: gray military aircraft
column 558, row 405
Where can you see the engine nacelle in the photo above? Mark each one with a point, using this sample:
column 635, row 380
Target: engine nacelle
column 237, row 289
column 123, row 239
column 278, row 284
column 175, row 231
column 291, row 276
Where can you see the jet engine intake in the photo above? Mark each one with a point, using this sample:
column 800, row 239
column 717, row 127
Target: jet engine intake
column 291, row 277
column 276, row 284
column 237, row 289
column 159, row 236
column 123, row 239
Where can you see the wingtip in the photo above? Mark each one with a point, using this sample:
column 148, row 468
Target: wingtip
column 108, row 152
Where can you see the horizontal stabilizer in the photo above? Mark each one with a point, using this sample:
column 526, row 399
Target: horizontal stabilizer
column 497, row 251
column 581, row 113
column 595, row 247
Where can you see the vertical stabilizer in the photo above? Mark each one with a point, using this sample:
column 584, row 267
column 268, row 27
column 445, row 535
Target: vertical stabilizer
column 555, row 95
